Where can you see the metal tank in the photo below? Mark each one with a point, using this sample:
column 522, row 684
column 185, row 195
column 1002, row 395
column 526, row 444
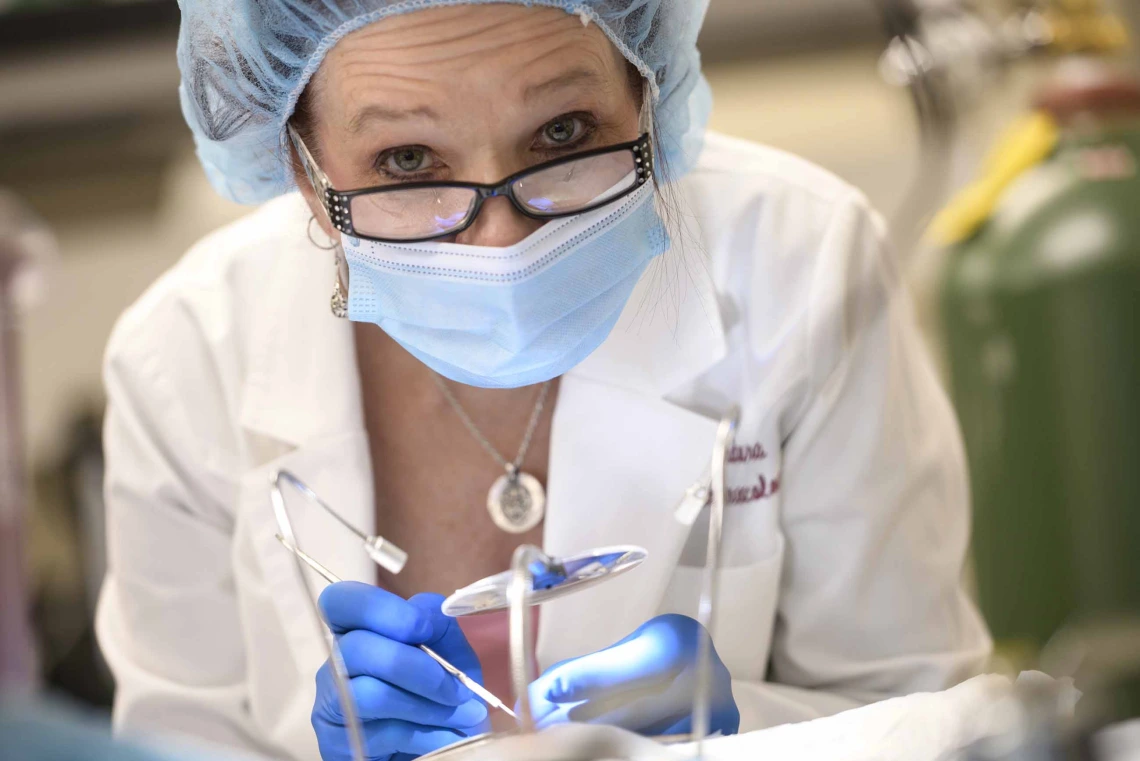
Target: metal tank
column 1041, row 309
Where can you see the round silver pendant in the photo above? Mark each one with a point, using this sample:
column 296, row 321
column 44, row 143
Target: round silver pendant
column 516, row 504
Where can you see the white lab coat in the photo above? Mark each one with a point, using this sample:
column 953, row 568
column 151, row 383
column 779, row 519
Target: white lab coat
column 844, row 543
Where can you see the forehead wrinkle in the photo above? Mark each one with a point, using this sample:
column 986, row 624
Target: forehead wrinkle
column 424, row 37
column 358, row 80
column 574, row 77
column 359, row 85
column 604, row 72
column 381, row 65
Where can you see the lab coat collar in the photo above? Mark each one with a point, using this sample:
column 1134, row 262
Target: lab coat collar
column 670, row 331
column 303, row 384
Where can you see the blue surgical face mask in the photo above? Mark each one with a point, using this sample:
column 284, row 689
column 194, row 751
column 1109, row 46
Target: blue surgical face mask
column 508, row 317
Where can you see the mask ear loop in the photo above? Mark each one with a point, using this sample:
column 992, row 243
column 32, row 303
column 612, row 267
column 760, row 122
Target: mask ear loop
column 352, row 723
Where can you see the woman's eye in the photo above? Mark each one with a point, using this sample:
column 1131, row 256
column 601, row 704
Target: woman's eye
column 563, row 130
column 410, row 160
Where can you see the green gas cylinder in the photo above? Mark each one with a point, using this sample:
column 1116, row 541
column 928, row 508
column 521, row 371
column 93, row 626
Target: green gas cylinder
column 1041, row 309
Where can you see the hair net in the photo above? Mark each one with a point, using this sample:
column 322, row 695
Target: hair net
column 244, row 64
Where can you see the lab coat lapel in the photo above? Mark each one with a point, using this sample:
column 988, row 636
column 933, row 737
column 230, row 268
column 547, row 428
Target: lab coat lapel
column 302, row 384
column 623, row 455
column 331, row 467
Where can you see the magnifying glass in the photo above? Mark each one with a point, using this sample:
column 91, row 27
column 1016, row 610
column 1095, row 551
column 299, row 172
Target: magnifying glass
column 551, row 578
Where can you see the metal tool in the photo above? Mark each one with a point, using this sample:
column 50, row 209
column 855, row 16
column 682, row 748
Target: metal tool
column 484, row 695
column 551, row 578
column 352, row 724
column 702, row 703
column 383, row 553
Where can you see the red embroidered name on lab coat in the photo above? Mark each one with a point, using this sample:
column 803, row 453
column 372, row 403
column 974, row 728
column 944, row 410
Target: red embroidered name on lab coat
column 747, row 453
column 762, row 489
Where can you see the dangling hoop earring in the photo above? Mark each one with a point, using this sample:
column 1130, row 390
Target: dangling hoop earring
column 338, row 302
column 309, row 231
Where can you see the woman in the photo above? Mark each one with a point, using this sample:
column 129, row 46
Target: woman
column 552, row 314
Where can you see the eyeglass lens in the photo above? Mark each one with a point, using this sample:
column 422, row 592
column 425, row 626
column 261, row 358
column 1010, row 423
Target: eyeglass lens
column 576, row 185
column 412, row 213
column 417, row 213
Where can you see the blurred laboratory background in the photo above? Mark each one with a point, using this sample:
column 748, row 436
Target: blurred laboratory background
column 1018, row 121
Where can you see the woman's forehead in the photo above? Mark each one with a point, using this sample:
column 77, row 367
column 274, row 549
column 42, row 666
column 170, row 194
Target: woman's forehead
column 522, row 51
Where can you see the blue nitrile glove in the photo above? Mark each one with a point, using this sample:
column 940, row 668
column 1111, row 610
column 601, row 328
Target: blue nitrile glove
column 408, row 704
column 645, row 683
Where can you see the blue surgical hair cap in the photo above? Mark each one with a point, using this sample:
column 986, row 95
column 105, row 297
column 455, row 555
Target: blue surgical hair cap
column 244, row 64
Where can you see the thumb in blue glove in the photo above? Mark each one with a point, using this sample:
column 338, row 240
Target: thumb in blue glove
column 645, row 683
column 408, row 704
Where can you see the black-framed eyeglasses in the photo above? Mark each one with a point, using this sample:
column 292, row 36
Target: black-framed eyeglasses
column 422, row 211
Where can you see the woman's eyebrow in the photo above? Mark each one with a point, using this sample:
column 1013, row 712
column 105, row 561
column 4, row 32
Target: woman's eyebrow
column 376, row 112
column 574, row 77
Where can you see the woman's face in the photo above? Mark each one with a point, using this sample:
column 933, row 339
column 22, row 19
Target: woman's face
column 469, row 93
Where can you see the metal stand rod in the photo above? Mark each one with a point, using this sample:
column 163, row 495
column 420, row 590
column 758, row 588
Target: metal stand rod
column 702, row 707
column 522, row 659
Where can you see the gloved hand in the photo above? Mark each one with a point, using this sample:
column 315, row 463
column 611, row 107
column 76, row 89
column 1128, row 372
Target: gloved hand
column 408, row 704
column 645, row 683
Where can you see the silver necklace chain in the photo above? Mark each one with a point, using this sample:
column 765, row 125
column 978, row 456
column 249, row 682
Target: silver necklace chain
column 512, row 468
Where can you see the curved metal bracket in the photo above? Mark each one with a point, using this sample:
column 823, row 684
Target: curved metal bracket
column 340, row 673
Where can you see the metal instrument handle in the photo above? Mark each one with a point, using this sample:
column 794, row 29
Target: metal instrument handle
column 725, row 435
column 522, row 655
column 288, row 537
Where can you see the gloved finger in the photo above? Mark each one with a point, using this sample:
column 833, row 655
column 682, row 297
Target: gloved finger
column 646, row 712
column 632, row 664
column 349, row 605
column 595, row 710
column 379, row 700
column 368, row 702
column 682, row 727
column 447, row 638
column 540, row 706
column 405, row 666
column 540, row 702
column 663, row 711
column 551, row 714
column 327, row 705
column 385, row 737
